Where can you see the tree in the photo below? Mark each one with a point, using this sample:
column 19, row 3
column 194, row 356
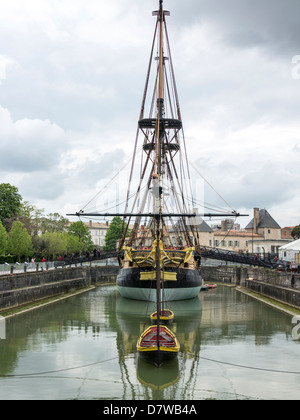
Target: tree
column 29, row 216
column 54, row 222
column 55, row 244
column 19, row 240
column 73, row 244
column 296, row 232
column 81, row 231
column 10, row 201
column 3, row 240
column 113, row 234
column 40, row 245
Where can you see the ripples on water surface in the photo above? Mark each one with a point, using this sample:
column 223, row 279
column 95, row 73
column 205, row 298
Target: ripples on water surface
column 84, row 347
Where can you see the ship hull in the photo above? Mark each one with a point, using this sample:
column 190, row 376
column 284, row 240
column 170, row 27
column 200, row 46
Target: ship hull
column 185, row 284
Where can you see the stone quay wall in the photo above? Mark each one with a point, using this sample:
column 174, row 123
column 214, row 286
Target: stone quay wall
column 284, row 287
column 271, row 283
column 25, row 288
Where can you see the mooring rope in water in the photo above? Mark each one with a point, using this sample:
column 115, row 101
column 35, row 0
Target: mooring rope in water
column 249, row 367
column 36, row 374
column 57, row 371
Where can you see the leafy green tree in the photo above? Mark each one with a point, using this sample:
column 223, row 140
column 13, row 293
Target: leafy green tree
column 54, row 222
column 296, row 232
column 55, row 244
column 3, row 240
column 73, row 244
column 10, row 201
column 81, row 231
column 19, row 240
column 40, row 246
column 113, row 234
column 29, row 216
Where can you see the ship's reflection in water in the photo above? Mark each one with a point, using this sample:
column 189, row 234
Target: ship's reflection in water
column 134, row 316
column 84, row 347
column 157, row 379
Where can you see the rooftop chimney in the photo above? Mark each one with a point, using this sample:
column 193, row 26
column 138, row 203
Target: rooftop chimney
column 224, row 225
column 255, row 219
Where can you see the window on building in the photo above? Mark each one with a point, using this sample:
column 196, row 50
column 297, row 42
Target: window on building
column 236, row 243
column 223, row 243
column 230, row 243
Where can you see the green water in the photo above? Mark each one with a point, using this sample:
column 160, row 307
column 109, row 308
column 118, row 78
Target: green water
column 84, row 347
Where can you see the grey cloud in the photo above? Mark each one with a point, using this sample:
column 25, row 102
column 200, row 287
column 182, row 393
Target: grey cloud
column 29, row 145
column 245, row 39
column 238, row 73
column 106, row 165
column 263, row 186
column 274, row 22
column 42, row 185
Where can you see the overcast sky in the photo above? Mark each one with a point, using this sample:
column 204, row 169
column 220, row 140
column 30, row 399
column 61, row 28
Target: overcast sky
column 72, row 74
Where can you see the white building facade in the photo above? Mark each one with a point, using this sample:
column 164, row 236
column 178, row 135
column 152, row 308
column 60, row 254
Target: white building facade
column 290, row 252
column 98, row 232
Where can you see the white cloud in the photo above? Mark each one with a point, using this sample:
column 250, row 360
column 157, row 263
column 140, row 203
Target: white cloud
column 28, row 145
column 71, row 82
column 4, row 63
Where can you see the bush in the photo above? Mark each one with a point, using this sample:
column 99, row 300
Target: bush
column 10, row 259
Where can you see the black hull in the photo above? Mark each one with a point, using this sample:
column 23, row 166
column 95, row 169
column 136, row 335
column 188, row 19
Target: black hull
column 186, row 284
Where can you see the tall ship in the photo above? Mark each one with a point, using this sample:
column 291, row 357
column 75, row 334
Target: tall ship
column 162, row 208
column 160, row 237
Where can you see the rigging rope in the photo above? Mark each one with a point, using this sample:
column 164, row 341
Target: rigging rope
column 106, row 185
column 222, row 198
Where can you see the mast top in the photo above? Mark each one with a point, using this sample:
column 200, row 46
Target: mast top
column 161, row 13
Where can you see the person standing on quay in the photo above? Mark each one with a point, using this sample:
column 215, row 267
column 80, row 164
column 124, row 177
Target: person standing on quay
column 292, row 280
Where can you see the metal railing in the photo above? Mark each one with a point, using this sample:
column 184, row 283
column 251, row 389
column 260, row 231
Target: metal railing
column 231, row 256
column 14, row 268
column 17, row 268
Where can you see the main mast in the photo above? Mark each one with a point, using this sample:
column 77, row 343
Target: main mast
column 161, row 52
column 157, row 176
